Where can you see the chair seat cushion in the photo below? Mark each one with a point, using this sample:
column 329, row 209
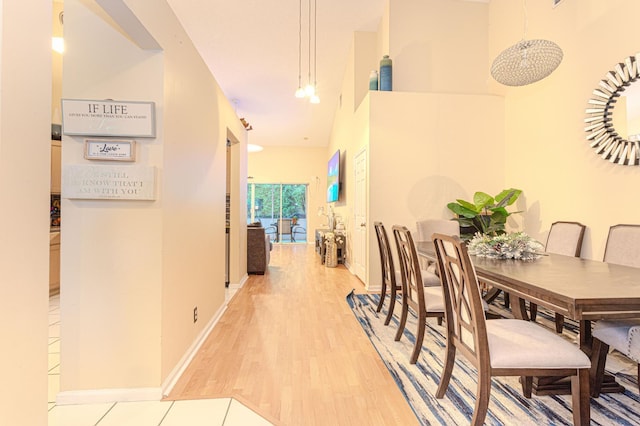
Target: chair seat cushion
column 429, row 279
column 622, row 335
column 522, row 344
column 434, row 299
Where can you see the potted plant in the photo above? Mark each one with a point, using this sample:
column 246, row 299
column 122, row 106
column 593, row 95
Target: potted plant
column 486, row 214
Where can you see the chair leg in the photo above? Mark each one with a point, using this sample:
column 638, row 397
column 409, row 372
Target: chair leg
column 482, row 398
column 403, row 316
column 580, row 398
column 559, row 323
column 447, row 368
column 392, row 304
column 417, row 347
column 506, row 300
column 598, row 361
column 639, row 377
column 383, row 294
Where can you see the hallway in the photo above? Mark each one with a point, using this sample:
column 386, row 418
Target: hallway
column 289, row 348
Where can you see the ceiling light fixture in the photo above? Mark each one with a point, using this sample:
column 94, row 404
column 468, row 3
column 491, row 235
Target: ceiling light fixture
column 527, row 61
column 310, row 90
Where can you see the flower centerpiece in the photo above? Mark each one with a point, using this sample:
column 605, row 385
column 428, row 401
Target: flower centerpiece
column 517, row 245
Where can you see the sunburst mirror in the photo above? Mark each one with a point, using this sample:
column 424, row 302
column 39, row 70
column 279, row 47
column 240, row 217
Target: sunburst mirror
column 613, row 115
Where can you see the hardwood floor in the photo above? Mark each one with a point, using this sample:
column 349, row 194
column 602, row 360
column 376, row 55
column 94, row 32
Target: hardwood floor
column 290, row 348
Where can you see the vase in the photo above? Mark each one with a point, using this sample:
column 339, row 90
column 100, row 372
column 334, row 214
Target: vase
column 331, row 260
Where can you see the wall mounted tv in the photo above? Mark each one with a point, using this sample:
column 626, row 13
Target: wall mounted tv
column 333, row 178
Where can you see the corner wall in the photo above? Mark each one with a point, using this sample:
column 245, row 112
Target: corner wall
column 25, row 141
column 133, row 271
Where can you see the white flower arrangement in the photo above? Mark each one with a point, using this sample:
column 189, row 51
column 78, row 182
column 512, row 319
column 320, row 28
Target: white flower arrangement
column 517, row 245
column 333, row 237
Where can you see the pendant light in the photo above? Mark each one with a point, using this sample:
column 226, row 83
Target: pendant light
column 315, row 99
column 300, row 92
column 310, row 90
column 527, row 61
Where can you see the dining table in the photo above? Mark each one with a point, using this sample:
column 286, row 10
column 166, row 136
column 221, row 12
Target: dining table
column 581, row 289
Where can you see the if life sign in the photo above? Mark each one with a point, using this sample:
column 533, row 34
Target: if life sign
column 108, row 109
column 108, row 118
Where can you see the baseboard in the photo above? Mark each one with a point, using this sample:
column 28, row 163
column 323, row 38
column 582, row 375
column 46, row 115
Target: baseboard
column 94, row 396
column 181, row 366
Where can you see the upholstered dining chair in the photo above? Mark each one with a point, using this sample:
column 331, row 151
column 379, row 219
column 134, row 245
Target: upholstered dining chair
column 501, row 347
column 564, row 238
column 391, row 278
column 426, row 228
column 622, row 248
column 426, row 301
column 621, row 335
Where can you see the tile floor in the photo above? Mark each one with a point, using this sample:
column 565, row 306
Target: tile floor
column 210, row 412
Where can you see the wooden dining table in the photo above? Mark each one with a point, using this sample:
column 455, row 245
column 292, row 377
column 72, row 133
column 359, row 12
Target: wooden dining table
column 581, row 289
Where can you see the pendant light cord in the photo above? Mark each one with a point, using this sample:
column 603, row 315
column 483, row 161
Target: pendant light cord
column 526, row 21
column 315, row 45
column 299, row 44
column 309, row 42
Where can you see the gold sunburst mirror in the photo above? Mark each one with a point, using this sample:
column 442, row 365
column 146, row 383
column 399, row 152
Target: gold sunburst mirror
column 613, row 115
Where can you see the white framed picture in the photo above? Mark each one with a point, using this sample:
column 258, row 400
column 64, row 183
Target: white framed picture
column 110, row 150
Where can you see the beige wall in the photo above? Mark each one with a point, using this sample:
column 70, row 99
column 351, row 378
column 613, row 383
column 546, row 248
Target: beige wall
column 133, row 271
column 25, row 111
column 439, row 45
column 419, row 156
column 547, row 153
column 296, row 165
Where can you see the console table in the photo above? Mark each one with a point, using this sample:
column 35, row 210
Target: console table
column 321, row 246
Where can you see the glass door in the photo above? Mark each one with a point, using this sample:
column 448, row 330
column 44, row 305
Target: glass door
column 281, row 209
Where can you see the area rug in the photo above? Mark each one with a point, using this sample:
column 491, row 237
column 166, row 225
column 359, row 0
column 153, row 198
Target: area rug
column 507, row 406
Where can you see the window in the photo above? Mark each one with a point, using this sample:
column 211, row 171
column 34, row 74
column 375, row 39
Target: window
column 280, row 208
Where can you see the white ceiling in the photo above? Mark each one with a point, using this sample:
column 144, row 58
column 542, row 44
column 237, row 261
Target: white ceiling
column 251, row 47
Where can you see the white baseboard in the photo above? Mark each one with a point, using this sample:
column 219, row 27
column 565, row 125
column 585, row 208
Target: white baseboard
column 186, row 359
column 94, row 396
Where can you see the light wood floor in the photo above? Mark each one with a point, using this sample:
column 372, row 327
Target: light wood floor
column 289, row 347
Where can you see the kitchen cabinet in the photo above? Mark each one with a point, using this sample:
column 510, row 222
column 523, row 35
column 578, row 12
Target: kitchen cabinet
column 54, row 263
column 56, row 175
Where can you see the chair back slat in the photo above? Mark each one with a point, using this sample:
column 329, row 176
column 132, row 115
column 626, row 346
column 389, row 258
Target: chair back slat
column 623, row 245
column 565, row 238
column 464, row 312
column 386, row 258
column 410, row 268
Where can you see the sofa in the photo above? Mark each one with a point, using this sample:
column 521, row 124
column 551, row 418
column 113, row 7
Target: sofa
column 258, row 250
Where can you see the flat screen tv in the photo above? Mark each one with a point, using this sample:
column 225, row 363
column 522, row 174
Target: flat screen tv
column 333, row 178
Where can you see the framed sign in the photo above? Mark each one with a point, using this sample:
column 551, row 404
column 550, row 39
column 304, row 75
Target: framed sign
column 112, row 150
column 108, row 182
column 108, row 118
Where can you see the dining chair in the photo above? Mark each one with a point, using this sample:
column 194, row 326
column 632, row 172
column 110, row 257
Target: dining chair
column 501, row 347
column 391, row 279
column 426, row 228
column 621, row 335
column 426, row 301
column 622, row 248
column 564, row 238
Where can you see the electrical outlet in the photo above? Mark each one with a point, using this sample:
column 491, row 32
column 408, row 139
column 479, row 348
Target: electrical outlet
column 195, row 314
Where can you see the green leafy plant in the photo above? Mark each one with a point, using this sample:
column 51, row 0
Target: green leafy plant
column 486, row 214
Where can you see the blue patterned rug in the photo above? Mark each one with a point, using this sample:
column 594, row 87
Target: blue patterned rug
column 507, row 406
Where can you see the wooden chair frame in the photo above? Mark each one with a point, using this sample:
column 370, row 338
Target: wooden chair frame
column 467, row 332
column 412, row 289
column 388, row 272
